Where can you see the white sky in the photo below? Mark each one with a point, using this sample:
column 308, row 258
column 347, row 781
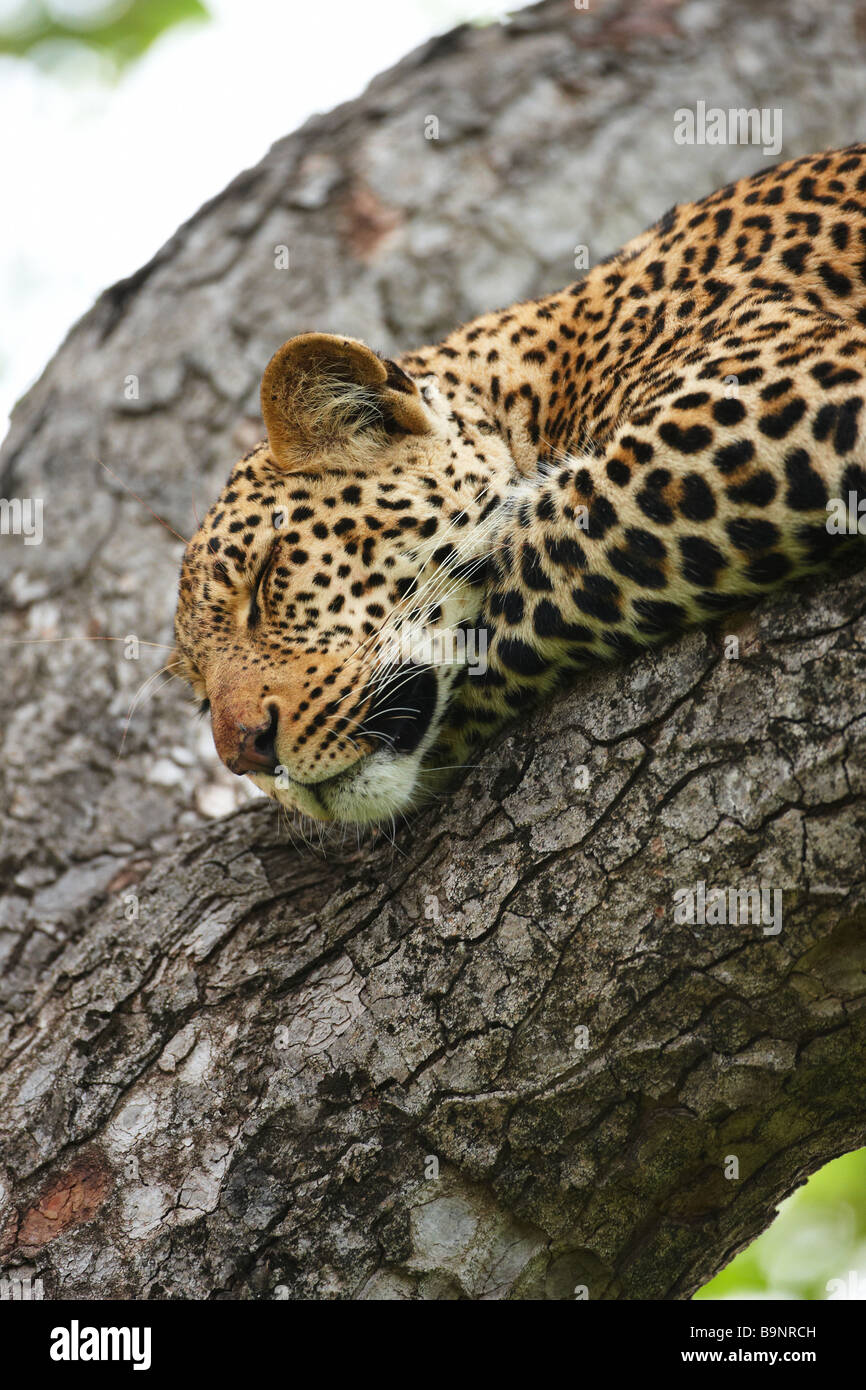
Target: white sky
column 97, row 176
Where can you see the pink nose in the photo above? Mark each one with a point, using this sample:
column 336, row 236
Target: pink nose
column 246, row 747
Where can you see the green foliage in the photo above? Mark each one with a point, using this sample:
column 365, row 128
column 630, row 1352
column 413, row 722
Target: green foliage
column 118, row 30
column 818, row 1235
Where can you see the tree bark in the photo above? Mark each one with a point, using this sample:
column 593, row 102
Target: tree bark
column 488, row 1060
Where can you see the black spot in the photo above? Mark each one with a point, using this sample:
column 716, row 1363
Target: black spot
column 806, row 490
column 846, row 425
column 732, row 456
column 728, row 412
column 513, row 606
column 768, row 569
column 518, row 697
column 658, row 616
column 602, row 516
column 645, row 543
column 836, row 282
column 598, row 598
column 637, row 563
column 720, row 603
column 617, row 471
column 685, row 441
column 650, row 500
column 701, row 560
column 749, row 533
column 622, row 644
column 780, row 424
column 750, row 375
column 775, row 389
column 641, row 448
column 565, row 552
column 831, row 374
column 757, row 491
column 697, row 502
column 840, row 233
column 549, row 622
column 794, row 257
column 520, row 657
column 854, row 480
column 532, row 571
column 819, row 544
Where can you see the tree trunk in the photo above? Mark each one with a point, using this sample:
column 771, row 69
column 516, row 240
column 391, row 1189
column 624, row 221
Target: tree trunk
column 490, row 1060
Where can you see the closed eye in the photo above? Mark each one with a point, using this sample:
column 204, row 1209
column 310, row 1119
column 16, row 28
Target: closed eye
column 254, row 614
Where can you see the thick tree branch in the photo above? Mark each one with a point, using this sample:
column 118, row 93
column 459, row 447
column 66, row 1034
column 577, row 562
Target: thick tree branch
column 243, row 1087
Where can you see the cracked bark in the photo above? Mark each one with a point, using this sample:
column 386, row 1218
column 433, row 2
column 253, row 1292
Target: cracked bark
column 364, row 1076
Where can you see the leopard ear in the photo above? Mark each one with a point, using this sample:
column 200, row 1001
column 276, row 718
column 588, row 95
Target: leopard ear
column 328, row 396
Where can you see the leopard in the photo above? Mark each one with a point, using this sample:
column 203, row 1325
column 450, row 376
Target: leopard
column 568, row 481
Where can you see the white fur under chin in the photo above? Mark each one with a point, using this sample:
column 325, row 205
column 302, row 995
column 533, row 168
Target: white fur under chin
column 383, row 785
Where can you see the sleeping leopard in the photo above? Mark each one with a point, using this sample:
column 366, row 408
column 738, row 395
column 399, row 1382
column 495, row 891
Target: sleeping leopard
column 566, row 481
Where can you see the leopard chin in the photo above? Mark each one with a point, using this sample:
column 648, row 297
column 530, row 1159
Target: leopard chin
column 373, row 791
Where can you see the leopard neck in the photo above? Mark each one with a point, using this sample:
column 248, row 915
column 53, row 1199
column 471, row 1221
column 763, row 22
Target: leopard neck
column 522, row 370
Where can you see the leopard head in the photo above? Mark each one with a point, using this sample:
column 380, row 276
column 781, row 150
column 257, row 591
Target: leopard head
column 323, row 598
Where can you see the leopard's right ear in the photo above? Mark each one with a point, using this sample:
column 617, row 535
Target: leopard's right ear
column 334, row 399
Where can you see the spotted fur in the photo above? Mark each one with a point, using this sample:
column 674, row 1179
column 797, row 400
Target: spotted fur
column 576, row 477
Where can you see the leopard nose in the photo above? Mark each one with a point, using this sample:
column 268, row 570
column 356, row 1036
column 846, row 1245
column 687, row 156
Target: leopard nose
column 251, row 748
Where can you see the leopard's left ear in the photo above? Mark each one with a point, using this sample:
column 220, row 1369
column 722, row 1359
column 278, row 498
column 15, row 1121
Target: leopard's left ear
column 324, row 395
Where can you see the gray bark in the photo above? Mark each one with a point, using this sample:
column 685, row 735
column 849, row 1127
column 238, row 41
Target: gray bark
column 238, row 1067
